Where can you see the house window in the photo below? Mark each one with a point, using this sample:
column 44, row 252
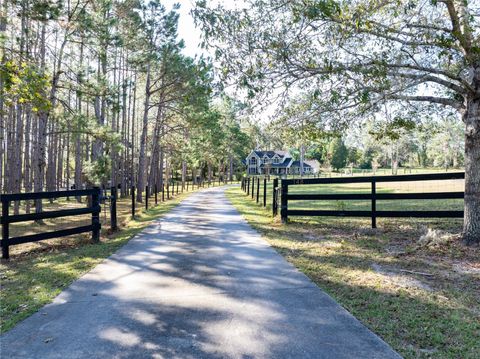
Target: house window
column 253, row 161
column 275, row 160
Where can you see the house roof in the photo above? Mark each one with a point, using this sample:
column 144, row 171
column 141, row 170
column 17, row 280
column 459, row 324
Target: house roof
column 276, row 165
column 270, row 154
column 297, row 164
column 284, row 164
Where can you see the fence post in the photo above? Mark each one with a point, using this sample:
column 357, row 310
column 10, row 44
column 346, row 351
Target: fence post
column 156, row 194
column 133, row 201
column 253, row 187
column 265, row 192
column 258, row 189
column 113, row 208
column 146, row 197
column 5, row 229
column 275, row 197
column 284, row 207
column 96, row 215
column 374, row 204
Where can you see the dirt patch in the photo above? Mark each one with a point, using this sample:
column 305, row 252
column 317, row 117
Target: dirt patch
column 313, row 237
column 466, row 267
column 402, row 278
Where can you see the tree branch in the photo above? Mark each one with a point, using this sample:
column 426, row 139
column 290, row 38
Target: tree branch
column 439, row 100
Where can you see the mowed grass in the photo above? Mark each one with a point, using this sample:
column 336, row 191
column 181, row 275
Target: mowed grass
column 424, row 300
column 37, row 272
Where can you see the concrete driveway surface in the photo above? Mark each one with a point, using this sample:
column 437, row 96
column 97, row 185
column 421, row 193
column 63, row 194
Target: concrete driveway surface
column 199, row 283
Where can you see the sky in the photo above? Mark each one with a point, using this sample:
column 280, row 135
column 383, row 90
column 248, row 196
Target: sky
column 186, row 26
column 192, row 38
column 187, row 30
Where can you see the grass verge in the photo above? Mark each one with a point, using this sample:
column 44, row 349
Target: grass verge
column 422, row 299
column 33, row 277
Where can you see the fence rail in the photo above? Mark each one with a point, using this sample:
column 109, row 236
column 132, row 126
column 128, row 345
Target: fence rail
column 6, row 219
column 373, row 196
column 106, row 198
column 281, row 196
column 256, row 188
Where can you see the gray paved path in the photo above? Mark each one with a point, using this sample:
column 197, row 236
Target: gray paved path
column 199, row 283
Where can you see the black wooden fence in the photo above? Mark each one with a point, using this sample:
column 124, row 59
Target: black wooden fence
column 281, row 198
column 253, row 186
column 373, row 196
column 170, row 189
column 7, row 219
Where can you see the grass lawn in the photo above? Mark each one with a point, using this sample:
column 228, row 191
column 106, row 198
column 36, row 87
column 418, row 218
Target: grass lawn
column 37, row 272
column 424, row 300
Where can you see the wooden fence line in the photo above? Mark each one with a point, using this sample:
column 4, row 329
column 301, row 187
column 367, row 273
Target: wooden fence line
column 94, row 209
column 373, row 196
column 6, row 218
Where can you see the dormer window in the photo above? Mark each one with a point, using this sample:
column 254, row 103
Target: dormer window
column 265, row 159
column 275, row 160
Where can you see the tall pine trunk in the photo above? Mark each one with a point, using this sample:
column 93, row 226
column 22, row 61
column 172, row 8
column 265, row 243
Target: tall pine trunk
column 184, row 173
column 230, row 172
column 143, row 140
column 27, row 161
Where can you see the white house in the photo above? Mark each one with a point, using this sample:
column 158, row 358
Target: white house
column 275, row 162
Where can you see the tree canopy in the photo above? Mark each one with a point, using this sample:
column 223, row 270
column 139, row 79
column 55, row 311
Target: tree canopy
column 334, row 62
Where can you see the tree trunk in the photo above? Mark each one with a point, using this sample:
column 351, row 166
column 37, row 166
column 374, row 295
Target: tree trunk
column 3, row 27
column 184, row 173
column 143, row 140
column 61, row 148
column 39, row 168
column 40, row 143
column 161, row 165
column 18, row 157
column 230, row 172
column 209, row 171
column 302, row 159
column 27, row 161
column 471, row 225
column 154, row 162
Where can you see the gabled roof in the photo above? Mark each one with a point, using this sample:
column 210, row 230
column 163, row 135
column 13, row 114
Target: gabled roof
column 297, row 164
column 270, row 154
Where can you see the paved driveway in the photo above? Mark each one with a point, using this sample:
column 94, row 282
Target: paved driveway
column 199, row 283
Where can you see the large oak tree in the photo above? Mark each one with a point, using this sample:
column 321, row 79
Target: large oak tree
column 349, row 57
